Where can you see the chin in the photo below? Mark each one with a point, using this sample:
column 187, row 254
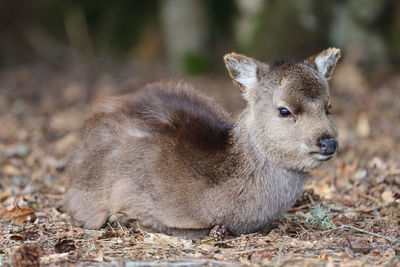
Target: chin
column 301, row 162
column 310, row 164
column 316, row 160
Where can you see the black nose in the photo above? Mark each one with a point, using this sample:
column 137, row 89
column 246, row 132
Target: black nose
column 328, row 146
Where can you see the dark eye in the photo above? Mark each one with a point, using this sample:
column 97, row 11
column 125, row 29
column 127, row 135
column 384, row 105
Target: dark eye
column 284, row 112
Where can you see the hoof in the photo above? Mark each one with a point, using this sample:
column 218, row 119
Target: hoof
column 219, row 232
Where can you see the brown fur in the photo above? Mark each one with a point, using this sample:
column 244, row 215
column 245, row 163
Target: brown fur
column 171, row 157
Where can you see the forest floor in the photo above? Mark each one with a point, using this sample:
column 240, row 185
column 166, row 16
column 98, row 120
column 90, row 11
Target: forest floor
column 348, row 215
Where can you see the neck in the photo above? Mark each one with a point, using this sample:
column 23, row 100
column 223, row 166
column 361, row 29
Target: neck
column 251, row 191
column 243, row 150
column 257, row 185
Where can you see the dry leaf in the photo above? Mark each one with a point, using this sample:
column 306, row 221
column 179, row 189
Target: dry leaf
column 17, row 237
column 65, row 245
column 377, row 163
column 324, row 190
column 3, row 196
column 110, row 234
column 387, row 196
column 323, row 256
column 360, row 174
column 363, row 128
column 390, row 253
column 18, row 215
column 10, row 170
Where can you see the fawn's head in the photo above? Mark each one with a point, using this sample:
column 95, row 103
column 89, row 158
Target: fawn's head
column 288, row 105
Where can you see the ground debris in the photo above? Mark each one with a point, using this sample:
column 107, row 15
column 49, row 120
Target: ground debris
column 319, row 219
column 349, row 213
column 18, row 215
column 65, row 245
column 27, row 255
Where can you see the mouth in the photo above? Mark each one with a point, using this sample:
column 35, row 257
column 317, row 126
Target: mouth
column 323, row 157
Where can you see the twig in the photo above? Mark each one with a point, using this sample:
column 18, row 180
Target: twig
column 331, row 230
column 300, row 207
column 371, row 198
column 311, row 199
column 251, row 250
column 393, row 240
column 109, row 225
column 123, row 230
column 207, row 241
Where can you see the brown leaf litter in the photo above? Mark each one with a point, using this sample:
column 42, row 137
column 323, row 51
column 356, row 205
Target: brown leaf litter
column 17, row 215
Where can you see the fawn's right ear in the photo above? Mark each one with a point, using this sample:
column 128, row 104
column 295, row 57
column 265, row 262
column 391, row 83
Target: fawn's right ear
column 325, row 61
column 244, row 71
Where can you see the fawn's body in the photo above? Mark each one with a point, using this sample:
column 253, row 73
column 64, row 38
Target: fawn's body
column 171, row 157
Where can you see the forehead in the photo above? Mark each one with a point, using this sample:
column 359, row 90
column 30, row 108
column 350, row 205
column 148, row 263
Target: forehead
column 301, row 84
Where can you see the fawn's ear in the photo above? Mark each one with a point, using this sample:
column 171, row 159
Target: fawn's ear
column 325, row 61
column 244, row 71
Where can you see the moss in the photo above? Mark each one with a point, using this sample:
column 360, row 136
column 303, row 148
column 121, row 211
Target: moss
column 320, row 219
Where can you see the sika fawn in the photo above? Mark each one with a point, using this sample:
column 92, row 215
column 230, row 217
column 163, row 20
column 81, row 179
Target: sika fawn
column 171, row 158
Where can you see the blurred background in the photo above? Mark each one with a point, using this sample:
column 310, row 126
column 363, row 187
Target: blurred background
column 190, row 36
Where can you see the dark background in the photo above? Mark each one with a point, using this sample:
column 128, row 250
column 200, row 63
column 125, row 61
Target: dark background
column 190, row 37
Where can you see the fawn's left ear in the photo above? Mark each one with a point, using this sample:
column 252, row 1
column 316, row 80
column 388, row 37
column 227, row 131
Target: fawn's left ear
column 325, row 61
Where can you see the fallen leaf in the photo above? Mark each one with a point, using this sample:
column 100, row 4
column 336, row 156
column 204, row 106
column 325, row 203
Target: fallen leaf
column 10, row 170
column 110, row 234
column 18, row 215
column 363, row 128
column 17, row 237
column 323, row 256
column 377, row 163
column 360, row 174
column 65, row 245
column 348, row 201
column 390, row 253
column 3, row 196
column 387, row 196
column 324, row 190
